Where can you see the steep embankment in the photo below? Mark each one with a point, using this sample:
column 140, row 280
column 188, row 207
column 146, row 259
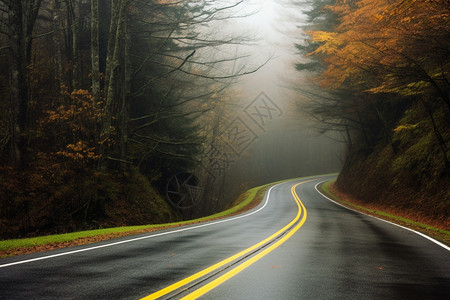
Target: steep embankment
column 408, row 176
column 244, row 202
column 34, row 204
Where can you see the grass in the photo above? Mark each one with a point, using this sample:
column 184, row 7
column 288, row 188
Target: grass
column 62, row 238
column 246, row 201
column 437, row 233
column 7, row 247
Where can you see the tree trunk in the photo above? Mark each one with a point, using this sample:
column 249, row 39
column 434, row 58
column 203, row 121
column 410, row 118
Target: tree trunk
column 119, row 14
column 73, row 37
column 438, row 135
column 360, row 122
column 123, row 126
column 22, row 17
column 56, row 9
column 111, row 39
column 68, row 41
column 387, row 132
column 349, row 138
column 95, row 73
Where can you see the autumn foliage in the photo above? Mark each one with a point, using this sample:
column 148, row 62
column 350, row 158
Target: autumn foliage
column 99, row 105
column 398, row 47
column 385, row 67
column 378, row 59
column 79, row 115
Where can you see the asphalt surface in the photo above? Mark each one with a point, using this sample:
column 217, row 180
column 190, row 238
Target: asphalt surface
column 335, row 254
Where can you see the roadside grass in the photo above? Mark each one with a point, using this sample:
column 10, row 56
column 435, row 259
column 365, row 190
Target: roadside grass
column 246, row 201
column 437, row 233
column 62, row 238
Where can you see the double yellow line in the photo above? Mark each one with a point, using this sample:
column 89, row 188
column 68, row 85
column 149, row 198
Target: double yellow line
column 216, row 282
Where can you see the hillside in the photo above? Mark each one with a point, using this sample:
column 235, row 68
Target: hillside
column 101, row 104
column 409, row 176
column 380, row 77
column 36, row 204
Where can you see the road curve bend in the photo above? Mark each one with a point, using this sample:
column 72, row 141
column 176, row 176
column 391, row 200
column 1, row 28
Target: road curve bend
column 295, row 245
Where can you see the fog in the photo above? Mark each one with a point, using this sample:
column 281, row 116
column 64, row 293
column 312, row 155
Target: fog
column 277, row 141
column 135, row 94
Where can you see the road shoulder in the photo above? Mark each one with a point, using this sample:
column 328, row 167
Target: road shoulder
column 329, row 189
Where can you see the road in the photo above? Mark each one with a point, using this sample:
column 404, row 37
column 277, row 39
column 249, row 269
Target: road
column 295, row 245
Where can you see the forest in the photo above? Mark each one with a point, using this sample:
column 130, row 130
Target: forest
column 102, row 102
column 381, row 78
column 105, row 103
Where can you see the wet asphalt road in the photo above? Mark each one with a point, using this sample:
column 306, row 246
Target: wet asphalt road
column 336, row 254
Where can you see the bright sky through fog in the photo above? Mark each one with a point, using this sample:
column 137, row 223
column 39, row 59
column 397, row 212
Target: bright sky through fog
column 263, row 18
column 269, row 23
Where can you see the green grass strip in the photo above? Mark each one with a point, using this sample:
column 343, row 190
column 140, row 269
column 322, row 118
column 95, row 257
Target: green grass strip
column 246, row 197
column 62, row 238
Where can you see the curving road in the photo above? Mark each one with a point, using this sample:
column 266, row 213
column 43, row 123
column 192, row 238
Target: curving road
column 295, row 245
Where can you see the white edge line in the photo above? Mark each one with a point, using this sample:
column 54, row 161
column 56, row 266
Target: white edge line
column 416, row 232
column 143, row 237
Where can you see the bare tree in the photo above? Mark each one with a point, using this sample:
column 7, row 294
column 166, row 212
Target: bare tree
column 20, row 17
column 95, row 56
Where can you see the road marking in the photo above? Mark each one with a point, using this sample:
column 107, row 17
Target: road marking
column 139, row 238
column 203, row 290
column 416, row 232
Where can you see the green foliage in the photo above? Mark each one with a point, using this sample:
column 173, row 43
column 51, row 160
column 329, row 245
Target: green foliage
column 414, row 179
column 416, row 158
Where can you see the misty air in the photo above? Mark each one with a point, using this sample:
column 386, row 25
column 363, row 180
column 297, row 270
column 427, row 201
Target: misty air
column 260, row 149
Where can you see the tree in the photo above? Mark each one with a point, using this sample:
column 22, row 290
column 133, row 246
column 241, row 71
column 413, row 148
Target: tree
column 102, row 89
column 171, row 70
column 18, row 20
column 382, row 55
column 95, row 51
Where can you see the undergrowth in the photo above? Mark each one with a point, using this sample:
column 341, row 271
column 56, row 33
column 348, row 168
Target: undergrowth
column 409, row 174
column 247, row 200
